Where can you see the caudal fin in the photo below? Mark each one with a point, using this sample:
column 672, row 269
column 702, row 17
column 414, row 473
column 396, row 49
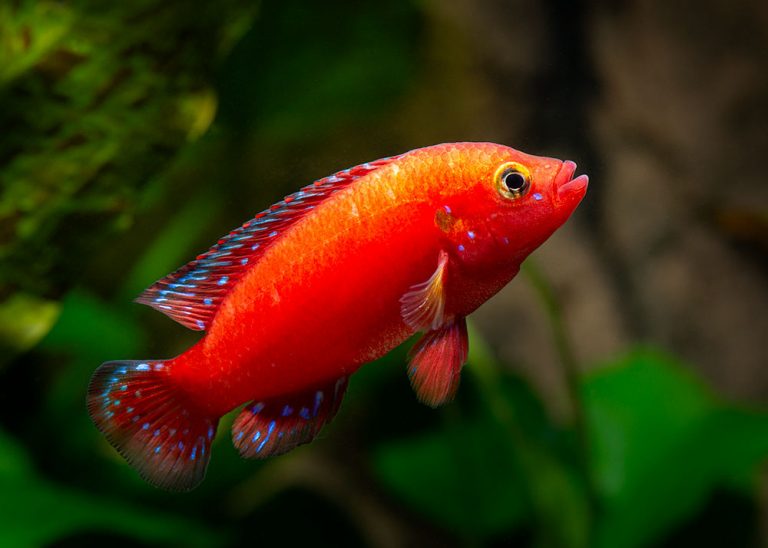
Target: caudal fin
column 151, row 423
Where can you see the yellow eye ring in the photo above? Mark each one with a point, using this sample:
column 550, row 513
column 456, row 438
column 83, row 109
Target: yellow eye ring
column 512, row 180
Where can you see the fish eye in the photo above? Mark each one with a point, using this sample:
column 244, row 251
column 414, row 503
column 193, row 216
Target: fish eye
column 513, row 180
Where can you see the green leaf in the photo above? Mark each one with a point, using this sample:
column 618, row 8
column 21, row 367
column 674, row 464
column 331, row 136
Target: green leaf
column 24, row 320
column 89, row 331
column 461, row 477
column 661, row 443
column 95, row 102
column 34, row 512
column 558, row 498
column 501, row 468
column 173, row 245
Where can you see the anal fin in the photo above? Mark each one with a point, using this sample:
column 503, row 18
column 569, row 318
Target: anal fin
column 273, row 427
column 436, row 361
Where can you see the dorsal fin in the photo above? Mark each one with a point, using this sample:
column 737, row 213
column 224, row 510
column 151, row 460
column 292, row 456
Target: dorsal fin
column 192, row 294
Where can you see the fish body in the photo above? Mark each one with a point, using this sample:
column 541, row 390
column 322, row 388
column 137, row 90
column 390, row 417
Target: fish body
column 335, row 276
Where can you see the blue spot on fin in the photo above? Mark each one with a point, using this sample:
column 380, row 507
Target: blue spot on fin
column 192, row 294
column 267, row 428
column 153, row 427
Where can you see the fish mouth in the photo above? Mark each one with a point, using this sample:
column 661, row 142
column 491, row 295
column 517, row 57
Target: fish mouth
column 567, row 187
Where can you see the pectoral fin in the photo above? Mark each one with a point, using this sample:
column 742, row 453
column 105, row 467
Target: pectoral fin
column 423, row 306
column 436, row 361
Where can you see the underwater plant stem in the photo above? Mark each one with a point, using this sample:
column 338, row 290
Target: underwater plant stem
column 543, row 472
column 571, row 373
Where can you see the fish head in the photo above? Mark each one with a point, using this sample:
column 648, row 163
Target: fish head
column 530, row 198
column 509, row 204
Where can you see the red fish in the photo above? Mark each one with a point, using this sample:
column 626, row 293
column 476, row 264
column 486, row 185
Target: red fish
column 334, row 276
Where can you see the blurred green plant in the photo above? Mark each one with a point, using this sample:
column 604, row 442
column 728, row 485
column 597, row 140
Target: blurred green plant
column 661, row 444
column 37, row 512
column 97, row 101
column 97, row 98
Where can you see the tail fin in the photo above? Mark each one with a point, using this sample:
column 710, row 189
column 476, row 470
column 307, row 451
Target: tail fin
column 151, row 423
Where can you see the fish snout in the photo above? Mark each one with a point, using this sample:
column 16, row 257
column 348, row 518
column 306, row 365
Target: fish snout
column 570, row 190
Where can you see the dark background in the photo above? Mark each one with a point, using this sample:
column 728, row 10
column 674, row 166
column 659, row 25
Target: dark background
column 616, row 391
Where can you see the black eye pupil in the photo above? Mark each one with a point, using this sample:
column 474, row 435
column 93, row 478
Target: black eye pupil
column 514, row 181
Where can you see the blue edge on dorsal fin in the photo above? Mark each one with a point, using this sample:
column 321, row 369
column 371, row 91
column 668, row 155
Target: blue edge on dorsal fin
column 192, row 294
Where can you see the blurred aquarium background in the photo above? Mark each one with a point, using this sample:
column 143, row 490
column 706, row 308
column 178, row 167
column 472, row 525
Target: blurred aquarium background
column 617, row 391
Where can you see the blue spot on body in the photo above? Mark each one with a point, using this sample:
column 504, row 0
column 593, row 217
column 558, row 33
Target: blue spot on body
column 461, row 247
column 447, row 209
column 117, row 402
column 124, row 388
column 109, row 414
column 471, row 235
column 256, row 436
column 240, row 436
column 193, row 454
column 256, row 408
column 287, row 411
column 142, row 367
column 157, row 450
column 538, row 197
column 304, row 413
column 130, row 410
column 244, row 260
column 223, row 280
column 156, row 432
column 181, row 445
column 121, row 371
column 200, row 324
column 208, row 301
column 210, row 432
column 254, row 247
column 145, row 426
column 273, row 234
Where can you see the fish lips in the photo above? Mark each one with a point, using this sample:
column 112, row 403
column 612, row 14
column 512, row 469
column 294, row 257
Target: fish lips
column 570, row 190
